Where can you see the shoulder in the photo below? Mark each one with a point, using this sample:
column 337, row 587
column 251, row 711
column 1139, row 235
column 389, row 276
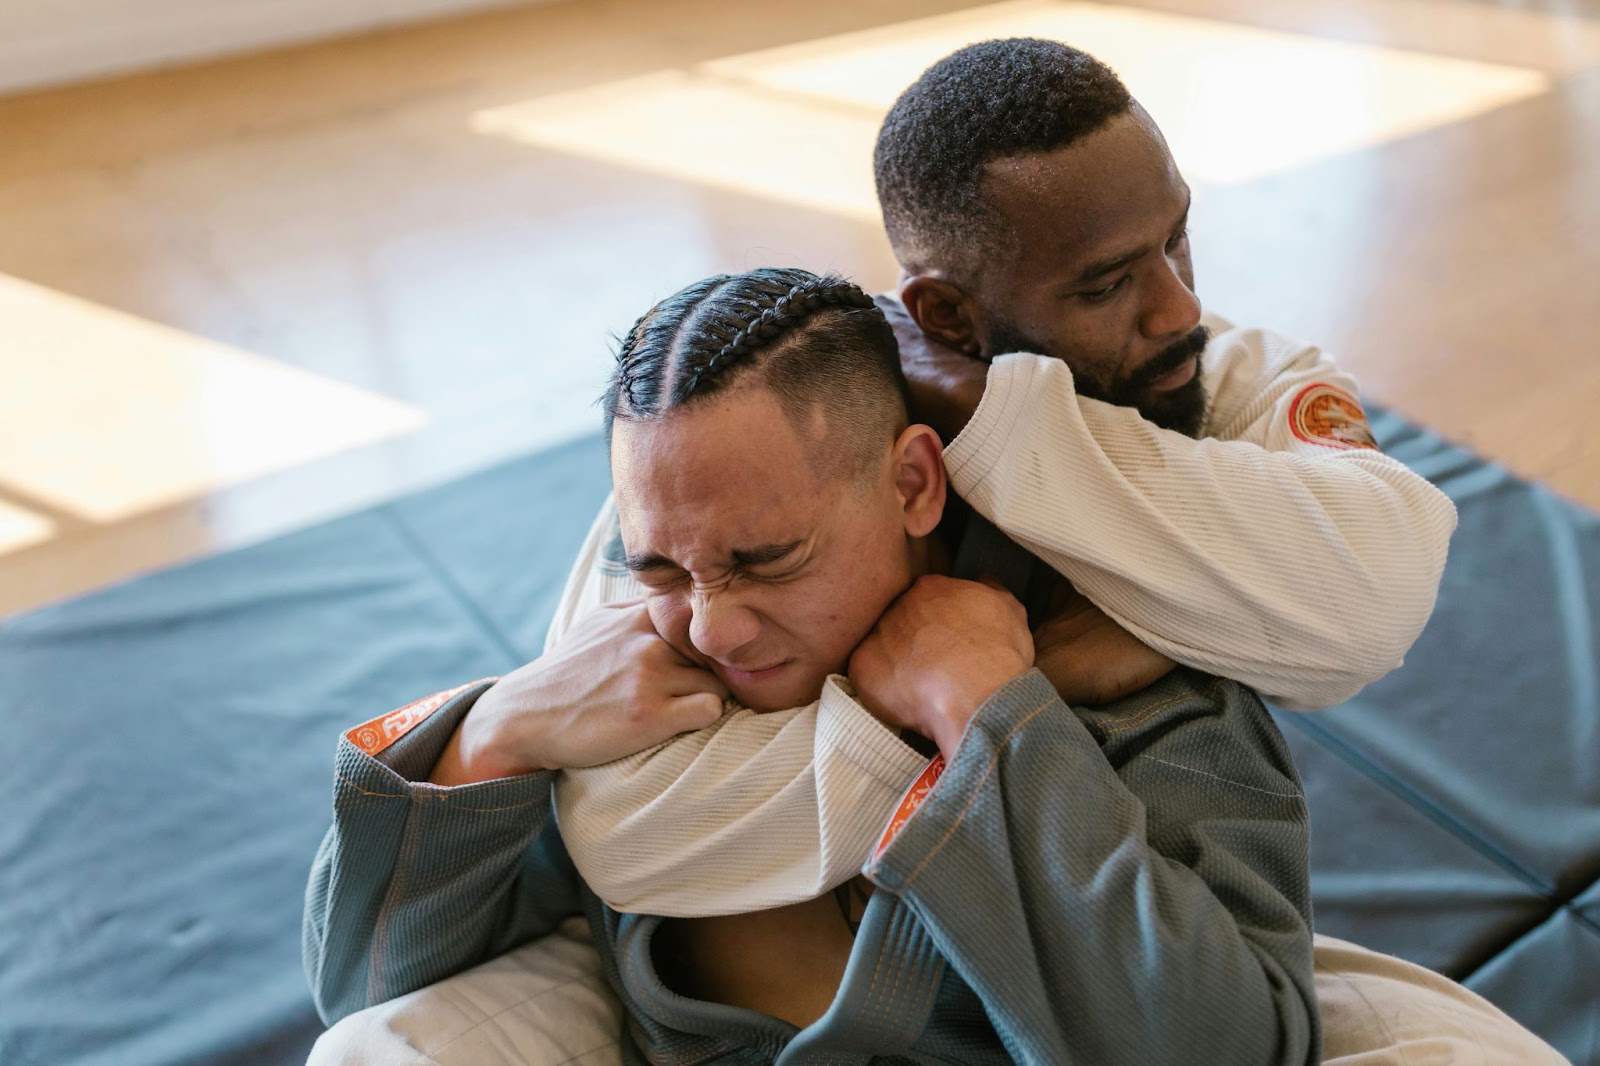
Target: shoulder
column 1251, row 373
column 1244, row 356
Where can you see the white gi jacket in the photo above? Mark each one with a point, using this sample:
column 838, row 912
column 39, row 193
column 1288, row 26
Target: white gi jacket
column 1278, row 549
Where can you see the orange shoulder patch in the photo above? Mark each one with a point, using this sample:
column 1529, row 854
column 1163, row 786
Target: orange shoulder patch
column 372, row 737
column 1327, row 415
column 914, row 798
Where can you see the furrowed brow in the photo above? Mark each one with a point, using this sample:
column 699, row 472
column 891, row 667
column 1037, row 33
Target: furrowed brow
column 757, row 556
column 649, row 561
column 766, row 553
column 1096, row 271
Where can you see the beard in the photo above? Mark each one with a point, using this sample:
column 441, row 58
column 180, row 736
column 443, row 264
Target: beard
column 1182, row 410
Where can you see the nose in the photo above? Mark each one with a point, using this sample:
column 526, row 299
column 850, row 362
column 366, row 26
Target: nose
column 719, row 625
column 1171, row 308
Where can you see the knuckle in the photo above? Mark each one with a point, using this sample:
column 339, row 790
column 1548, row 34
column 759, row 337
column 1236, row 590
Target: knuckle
column 636, row 695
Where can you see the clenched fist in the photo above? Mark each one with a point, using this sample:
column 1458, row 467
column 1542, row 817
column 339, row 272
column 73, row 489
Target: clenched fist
column 610, row 687
column 939, row 651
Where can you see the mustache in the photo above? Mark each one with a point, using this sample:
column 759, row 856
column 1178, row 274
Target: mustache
column 1166, row 361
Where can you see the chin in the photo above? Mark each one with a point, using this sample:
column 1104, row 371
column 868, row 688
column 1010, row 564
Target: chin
column 1182, row 410
column 791, row 686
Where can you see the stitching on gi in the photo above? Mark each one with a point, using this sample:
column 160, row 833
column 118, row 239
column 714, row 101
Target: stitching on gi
column 1122, row 725
column 380, row 933
column 440, row 799
column 1125, row 724
column 487, row 1019
column 875, row 1001
column 1218, row 777
column 902, row 964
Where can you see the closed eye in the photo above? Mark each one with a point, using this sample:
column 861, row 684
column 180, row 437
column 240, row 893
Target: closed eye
column 764, row 556
column 660, row 579
column 768, row 562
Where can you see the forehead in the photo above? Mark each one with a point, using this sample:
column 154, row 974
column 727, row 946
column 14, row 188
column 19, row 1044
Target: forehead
column 730, row 472
column 1096, row 197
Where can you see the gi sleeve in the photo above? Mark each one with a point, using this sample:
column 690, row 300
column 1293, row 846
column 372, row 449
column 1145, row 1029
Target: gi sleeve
column 415, row 882
column 1111, row 904
column 1296, row 559
column 753, row 812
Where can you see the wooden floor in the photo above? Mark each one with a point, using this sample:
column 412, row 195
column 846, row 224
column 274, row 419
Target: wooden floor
column 240, row 297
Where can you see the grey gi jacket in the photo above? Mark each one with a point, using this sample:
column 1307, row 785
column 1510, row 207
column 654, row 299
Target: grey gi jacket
column 1127, row 885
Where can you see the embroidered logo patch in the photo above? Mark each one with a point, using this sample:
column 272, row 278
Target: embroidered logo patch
column 1323, row 414
column 914, row 798
column 372, row 737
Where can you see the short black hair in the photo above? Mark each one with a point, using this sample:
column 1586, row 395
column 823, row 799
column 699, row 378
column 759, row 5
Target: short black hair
column 813, row 340
column 988, row 101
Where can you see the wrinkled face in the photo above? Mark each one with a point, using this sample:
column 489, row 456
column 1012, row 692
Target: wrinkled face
column 1100, row 274
column 758, row 564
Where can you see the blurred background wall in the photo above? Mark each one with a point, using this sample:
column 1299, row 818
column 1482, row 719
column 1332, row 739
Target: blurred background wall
column 49, row 42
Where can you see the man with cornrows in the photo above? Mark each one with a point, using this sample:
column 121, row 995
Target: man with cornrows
column 1121, row 885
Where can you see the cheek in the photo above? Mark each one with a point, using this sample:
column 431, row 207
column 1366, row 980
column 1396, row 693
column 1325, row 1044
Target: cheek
column 1092, row 340
column 1110, row 348
column 830, row 626
column 860, row 593
column 670, row 615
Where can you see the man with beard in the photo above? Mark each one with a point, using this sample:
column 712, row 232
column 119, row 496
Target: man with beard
column 1211, row 490
column 1208, row 491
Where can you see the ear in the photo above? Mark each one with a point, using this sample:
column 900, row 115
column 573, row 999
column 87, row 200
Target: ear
column 942, row 310
column 919, row 478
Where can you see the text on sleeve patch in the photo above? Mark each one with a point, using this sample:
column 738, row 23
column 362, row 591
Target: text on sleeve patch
column 1327, row 415
column 372, row 737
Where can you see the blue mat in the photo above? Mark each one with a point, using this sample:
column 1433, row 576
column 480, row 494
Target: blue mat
column 169, row 742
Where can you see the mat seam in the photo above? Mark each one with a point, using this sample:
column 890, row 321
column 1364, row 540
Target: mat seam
column 1435, row 812
column 442, row 574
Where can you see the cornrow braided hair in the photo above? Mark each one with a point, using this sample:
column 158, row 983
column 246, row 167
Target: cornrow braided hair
column 836, row 349
column 791, row 309
column 626, row 372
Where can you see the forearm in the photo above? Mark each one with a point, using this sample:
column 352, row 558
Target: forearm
column 415, row 882
column 1303, row 576
column 1106, row 924
column 757, row 811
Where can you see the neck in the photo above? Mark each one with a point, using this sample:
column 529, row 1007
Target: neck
column 929, row 555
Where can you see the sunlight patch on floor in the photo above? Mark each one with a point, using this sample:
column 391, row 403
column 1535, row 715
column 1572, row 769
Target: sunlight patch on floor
column 21, row 528
column 796, row 124
column 105, row 415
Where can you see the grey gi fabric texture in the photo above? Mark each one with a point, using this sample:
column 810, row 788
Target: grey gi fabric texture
column 1025, row 870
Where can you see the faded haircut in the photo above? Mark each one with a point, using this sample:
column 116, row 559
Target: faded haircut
column 989, row 101
column 817, row 342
